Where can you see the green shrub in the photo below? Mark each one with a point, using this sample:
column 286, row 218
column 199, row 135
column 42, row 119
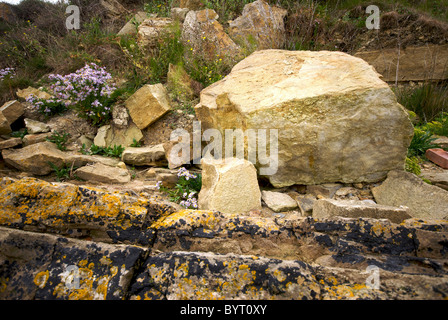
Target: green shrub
column 439, row 126
column 427, row 100
column 412, row 165
column 421, row 142
column 63, row 173
column 169, row 50
column 116, row 151
column 60, row 139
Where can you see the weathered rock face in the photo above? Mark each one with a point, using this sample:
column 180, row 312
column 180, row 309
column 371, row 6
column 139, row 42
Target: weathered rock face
column 78, row 211
column 205, row 38
column 406, row 189
column 148, row 104
column 203, row 254
column 414, row 63
column 47, row 267
column 336, row 120
column 262, row 24
column 225, row 181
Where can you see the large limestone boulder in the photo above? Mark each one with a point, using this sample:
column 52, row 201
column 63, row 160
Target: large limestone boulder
column 337, row 121
column 229, row 185
column 259, row 23
column 148, row 104
column 406, row 189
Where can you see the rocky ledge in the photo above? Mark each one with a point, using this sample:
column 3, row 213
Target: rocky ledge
column 134, row 247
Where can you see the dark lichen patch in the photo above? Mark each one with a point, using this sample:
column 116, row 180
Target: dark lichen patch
column 187, row 275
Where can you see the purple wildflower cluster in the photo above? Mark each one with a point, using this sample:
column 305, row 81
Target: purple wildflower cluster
column 6, row 73
column 182, row 172
column 89, row 90
column 189, row 200
column 48, row 107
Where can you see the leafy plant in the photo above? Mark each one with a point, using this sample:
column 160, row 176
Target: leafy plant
column 169, row 50
column 135, row 143
column 116, row 151
column 412, row 165
column 421, row 142
column 186, row 190
column 19, row 134
column 63, row 173
column 439, row 126
column 60, row 139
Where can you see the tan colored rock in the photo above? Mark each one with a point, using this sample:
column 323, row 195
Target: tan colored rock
column 12, row 110
column 148, row 104
column 204, row 38
column 427, row 62
column 10, row 143
column 131, row 26
column 111, row 135
column 4, row 125
column 439, row 179
column 34, row 126
column 30, row 139
column 25, row 93
column 337, row 121
column 145, row 156
column 327, row 208
column 35, row 158
column 229, row 186
column 180, row 83
column 179, row 14
column 402, row 188
column 260, row 26
column 189, row 4
column 150, row 31
column 278, row 202
column 104, row 174
column 113, row 8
